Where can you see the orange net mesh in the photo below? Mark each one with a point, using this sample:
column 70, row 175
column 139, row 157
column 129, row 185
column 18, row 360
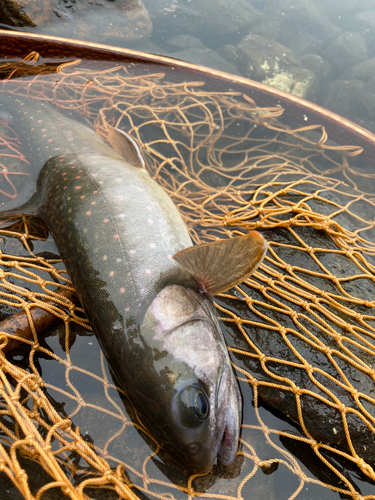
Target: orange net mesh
column 301, row 330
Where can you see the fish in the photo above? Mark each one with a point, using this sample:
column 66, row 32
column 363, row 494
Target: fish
column 145, row 287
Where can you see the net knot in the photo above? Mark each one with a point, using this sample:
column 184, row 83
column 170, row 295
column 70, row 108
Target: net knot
column 325, row 223
column 342, row 408
column 294, row 315
column 108, row 473
column 2, row 274
column 289, row 269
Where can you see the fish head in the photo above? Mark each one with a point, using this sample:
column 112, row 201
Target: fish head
column 197, row 406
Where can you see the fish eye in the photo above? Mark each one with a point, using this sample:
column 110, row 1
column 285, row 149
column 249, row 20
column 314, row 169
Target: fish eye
column 191, row 406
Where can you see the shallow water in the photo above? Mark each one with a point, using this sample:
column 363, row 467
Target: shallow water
column 133, row 450
column 329, row 44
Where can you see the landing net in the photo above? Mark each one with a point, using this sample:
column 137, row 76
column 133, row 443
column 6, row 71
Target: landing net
column 300, row 331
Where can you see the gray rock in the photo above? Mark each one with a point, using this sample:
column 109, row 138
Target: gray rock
column 302, row 16
column 367, row 97
column 322, row 420
column 204, row 57
column 346, row 50
column 182, row 42
column 213, row 18
column 273, row 64
column 300, row 42
column 118, row 22
column 363, row 71
column 229, row 53
column 336, row 8
column 345, row 98
column 322, row 72
column 367, row 17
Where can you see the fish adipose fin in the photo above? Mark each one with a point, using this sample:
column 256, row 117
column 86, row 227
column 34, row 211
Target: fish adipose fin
column 222, row 264
column 126, row 146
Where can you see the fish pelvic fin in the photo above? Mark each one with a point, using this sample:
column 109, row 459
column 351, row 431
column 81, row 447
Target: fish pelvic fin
column 29, row 210
column 126, row 146
column 222, row 264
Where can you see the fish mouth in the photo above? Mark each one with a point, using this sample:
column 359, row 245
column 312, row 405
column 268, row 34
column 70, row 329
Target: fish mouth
column 229, row 443
column 227, row 451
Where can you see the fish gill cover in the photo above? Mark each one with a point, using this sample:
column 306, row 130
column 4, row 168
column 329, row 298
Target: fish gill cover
column 300, row 331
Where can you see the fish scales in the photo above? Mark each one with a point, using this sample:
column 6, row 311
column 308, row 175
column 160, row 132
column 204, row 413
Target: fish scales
column 144, row 288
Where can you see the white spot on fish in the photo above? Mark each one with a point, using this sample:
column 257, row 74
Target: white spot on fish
column 111, row 273
column 119, row 197
column 153, row 245
column 150, row 221
column 105, row 257
column 132, row 252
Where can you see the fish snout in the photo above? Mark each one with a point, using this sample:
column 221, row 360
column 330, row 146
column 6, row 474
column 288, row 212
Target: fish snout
column 231, row 425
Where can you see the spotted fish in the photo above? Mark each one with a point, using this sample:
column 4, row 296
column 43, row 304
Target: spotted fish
column 146, row 289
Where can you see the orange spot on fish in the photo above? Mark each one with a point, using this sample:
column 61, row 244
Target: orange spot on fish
column 78, row 187
column 78, row 177
column 88, row 213
column 105, row 257
column 117, row 237
column 93, row 202
column 119, row 197
column 148, row 271
column 122, row 290
column 82, row 197
column 95, row 192
column 106, row 220
column 111, row 273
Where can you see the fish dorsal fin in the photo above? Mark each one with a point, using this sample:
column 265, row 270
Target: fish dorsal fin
column 126, row 146
column 222, row 264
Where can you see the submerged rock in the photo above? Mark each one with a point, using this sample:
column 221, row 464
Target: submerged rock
column 320, row 360
column 346, row 50
column 273, row 64
column 210, row 18
column 191, row 49
column 117, row 22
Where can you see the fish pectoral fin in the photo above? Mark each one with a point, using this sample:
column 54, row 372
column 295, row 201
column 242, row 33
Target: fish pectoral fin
column 222, row 264
column 126, row 146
